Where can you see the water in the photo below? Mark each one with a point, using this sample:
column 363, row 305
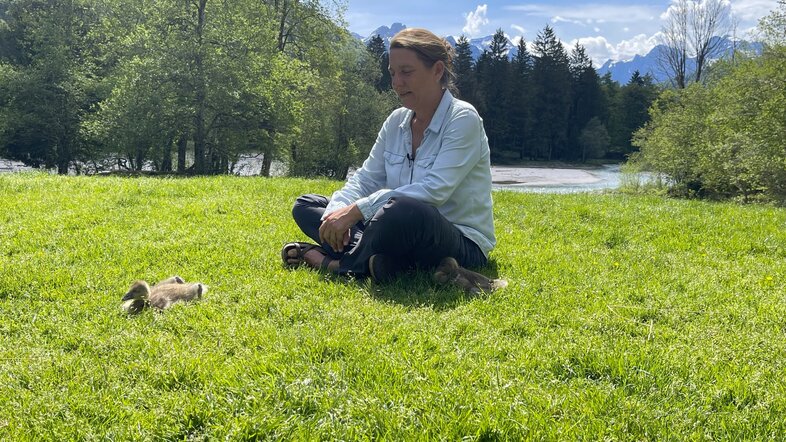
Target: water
column 558, row 180
column 521, row 179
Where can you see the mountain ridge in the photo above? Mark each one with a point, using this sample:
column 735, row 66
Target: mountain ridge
column 620, row 70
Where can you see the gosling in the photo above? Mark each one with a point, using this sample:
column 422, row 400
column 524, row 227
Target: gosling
column 162, row 295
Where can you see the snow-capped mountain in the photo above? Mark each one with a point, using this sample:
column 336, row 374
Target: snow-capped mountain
column 621, row 70
column 477, row 45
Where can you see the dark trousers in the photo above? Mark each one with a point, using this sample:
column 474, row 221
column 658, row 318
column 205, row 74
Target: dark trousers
column 411, row 231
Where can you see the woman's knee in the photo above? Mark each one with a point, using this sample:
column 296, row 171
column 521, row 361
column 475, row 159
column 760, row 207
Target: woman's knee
column 304, row 203
column 403, row 209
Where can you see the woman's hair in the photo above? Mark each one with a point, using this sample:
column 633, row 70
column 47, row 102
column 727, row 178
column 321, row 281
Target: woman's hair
column 429, row 49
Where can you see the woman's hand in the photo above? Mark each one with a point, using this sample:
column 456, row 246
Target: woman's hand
column 334, row 229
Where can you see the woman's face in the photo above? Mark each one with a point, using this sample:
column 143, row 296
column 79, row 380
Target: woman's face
column 415, row 84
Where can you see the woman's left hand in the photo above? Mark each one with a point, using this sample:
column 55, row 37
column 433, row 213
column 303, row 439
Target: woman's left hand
column 334, row 229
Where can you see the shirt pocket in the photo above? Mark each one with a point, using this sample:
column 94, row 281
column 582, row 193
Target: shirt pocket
column 423, row 166
column 394, row 169
column 426, row 162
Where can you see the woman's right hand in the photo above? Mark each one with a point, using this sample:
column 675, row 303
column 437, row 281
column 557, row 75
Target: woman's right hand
column 335, row 228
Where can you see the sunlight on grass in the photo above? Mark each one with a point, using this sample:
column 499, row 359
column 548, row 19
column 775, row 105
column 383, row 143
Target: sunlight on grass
column 627, row 317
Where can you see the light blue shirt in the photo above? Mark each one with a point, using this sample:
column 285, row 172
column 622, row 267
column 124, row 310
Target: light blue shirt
column 451, row 170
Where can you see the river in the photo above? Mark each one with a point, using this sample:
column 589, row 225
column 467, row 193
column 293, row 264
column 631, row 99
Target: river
column 523, row 179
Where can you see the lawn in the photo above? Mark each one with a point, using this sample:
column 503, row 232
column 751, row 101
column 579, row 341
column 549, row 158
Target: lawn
column 626, row 318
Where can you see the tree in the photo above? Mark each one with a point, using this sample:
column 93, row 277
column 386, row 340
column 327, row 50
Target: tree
column 773, row 26
column 463, row 66
column 690, row 34
column 594, row 140
column 724, row 139
column 586, row 99
column 551, row 95
column 348, row 113
column 48, row 81
column 493, row 74
column 520, row 110
column 376, row 46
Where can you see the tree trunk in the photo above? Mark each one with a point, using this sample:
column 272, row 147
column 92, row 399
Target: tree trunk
column 182, row 144
column 166, row 161
column 267, row 160
column 200, row 95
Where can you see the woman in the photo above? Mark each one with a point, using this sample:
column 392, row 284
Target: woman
column 423, row 193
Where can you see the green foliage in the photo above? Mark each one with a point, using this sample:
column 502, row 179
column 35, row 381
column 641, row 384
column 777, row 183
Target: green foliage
column 494, row 86
column 349, row 112
column 103, row 84
column 631, row 106
column 376, row 46
column 594, row 139
column 552, row 96
column 725, row 139
column 626, row 318
column 586, row 105
column 773, row 26
column 463, row 66
column 48, row 54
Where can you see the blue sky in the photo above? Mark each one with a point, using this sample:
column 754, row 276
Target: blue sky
column 613, row 29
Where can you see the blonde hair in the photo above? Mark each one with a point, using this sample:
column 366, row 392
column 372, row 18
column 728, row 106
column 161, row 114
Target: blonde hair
column 429, row 49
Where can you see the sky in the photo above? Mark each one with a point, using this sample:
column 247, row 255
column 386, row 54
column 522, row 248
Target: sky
column 608, row 29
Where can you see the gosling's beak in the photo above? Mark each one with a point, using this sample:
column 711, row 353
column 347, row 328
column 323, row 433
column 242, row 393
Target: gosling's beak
column 128, row 296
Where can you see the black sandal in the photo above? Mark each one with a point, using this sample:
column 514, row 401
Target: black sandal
column 302, row 248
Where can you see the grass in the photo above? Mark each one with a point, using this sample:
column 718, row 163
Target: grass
column 626, row 318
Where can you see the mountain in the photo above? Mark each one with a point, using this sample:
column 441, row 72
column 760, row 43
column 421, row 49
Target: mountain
column 621, row 71
column 477, row 45
column 385, row 32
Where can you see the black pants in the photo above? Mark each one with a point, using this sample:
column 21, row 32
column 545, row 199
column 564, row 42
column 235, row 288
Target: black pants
column 404, row 228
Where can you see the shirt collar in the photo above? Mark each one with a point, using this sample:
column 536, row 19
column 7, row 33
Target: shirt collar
column 439, row 115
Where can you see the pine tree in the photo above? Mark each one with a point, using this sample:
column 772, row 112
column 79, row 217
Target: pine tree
column 465, row 75
column 376, row 46
column 493, row 79
column 551, row 96
column 636, row 97
column 520, row 108
column 586, row 99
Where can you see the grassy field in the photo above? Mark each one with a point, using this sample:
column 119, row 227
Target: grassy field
column 626, row 318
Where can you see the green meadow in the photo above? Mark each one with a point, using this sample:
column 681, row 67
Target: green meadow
column 627, row 317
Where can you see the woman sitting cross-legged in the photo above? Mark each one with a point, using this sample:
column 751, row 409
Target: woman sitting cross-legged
column 422, row 196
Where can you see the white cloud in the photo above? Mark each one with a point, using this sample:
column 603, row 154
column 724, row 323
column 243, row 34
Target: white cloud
column 752, row 10
column 558, row 19
column 596, row 29
column 598, row 13
column 599, row 49
column 519, row 29
column 476, row 20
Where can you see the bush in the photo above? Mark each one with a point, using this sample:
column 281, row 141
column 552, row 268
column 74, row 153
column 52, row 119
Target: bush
column 725, row 139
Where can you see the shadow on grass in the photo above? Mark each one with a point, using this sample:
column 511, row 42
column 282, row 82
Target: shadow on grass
column 416, row 289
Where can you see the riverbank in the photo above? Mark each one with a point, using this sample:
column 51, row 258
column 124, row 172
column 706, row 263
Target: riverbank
column 531, row 177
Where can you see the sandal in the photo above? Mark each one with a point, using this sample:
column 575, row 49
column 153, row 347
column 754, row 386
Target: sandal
column 302, row 248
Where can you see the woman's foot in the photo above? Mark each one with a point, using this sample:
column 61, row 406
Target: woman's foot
column 297, row 253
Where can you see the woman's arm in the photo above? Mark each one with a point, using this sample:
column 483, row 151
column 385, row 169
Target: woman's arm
column 368, row 179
